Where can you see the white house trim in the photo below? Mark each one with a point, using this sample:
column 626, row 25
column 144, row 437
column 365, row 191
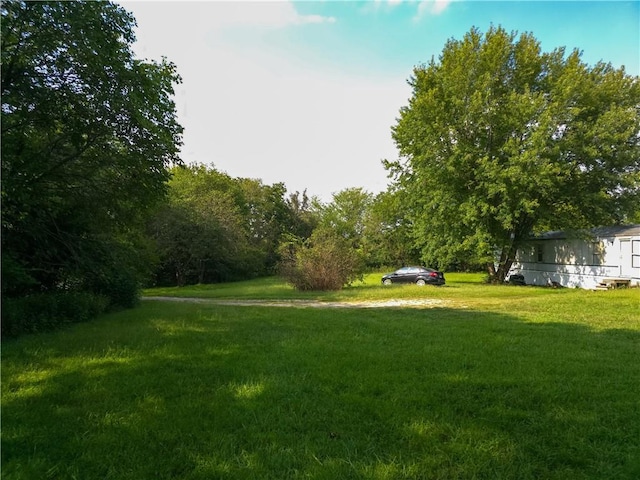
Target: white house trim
column 586, row 260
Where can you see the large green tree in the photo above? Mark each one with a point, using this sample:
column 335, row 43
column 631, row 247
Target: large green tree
column 219, row 228
column 87, row 133
column 500, row 140
column 267, row 217
column 200, row 232
column 387, row 239
column 347, row 214
column 304, row 218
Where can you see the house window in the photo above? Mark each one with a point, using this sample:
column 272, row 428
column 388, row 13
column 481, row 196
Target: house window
column 598, row 253
column 635, row 254
column 539, row 253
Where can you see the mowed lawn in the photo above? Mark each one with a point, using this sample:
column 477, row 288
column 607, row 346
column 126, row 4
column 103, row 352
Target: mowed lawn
column 490, row 383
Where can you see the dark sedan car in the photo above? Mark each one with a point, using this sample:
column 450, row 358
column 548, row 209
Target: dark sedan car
column 417, row 275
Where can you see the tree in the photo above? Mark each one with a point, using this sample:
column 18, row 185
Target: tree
column 304, row 219
column 87, row 134
column 201, row 233
column 267, row 217
column 387, row 240
column 374, row 226
column 218, row 228
column 346, row 214
column 500, row 140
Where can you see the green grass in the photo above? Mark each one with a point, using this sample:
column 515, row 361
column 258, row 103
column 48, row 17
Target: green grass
column 275, row 288
column 506, row 382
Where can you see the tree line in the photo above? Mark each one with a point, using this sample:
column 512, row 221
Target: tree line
column 88, row 135
column 498, row 141
column 216, row 228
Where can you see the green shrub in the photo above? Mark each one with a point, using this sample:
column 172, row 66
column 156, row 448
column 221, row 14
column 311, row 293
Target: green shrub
column 48, row 311
column 16, row 280
column 121, row 287
column 323, row 262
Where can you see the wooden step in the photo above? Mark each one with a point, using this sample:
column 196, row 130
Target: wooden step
column 609, row 283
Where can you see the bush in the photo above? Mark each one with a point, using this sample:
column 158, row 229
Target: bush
column 47, row 311
column 120, row 287
column 16, row 280
column 324, row 262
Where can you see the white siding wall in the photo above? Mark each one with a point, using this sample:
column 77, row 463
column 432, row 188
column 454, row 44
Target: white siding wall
column 578, row 263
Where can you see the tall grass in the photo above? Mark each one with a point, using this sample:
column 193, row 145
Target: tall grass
column 506, row 382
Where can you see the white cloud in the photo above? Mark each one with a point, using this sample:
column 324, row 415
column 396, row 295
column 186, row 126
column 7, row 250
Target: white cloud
column 177, row 19
column 423, row 8
column 265, row 117
column 433, row 7
column 439, row 6
column 253, row 111
column 264, row 14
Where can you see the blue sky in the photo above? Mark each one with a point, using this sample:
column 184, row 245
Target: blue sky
column 306, row 93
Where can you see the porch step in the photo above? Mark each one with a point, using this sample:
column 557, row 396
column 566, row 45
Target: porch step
column 611, row 283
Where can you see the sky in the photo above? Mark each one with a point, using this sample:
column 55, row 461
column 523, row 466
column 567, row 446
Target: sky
column 306, row 92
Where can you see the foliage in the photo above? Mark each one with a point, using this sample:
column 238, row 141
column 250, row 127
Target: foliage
column 304, row 218
column 374, row 226
column 87, row 131
column 325, row 261
column 119, row 284
column 218, row 228
column 346, row 215
column 42, row 312
column 195, row 231
column 387, row 240
column 500, row 140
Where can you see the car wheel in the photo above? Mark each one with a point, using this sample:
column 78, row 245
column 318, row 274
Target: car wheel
column 387, row 282
column 420, row 282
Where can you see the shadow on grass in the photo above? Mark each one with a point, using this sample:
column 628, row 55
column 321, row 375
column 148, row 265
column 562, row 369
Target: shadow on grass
column 201, row 392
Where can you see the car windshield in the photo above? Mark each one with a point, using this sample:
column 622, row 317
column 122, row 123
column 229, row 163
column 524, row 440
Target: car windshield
column 413, row 270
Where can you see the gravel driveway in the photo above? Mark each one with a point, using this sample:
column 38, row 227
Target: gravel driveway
column 414, row 303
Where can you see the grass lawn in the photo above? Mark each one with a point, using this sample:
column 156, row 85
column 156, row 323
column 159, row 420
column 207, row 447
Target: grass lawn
column 499, row 383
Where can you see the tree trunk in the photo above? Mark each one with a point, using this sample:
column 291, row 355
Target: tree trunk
column 180, row 277
column 201, row 271
column 506, row 261
column 503, row 270
column 491, row 269
column 507, row 257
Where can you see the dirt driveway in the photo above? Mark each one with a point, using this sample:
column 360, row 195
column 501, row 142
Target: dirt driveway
column 414, row 303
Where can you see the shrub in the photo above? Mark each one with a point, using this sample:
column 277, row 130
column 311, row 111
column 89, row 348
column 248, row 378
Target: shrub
column 120, row 287
column 323, row 262
column 47, row 311
column 16, row 280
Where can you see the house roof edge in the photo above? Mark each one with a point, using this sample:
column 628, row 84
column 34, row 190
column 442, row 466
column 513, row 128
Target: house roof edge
column 598, row 232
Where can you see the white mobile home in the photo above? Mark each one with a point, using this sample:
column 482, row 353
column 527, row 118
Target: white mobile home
column 605, row 256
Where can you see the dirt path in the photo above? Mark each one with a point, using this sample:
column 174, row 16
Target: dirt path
column 414, row 303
